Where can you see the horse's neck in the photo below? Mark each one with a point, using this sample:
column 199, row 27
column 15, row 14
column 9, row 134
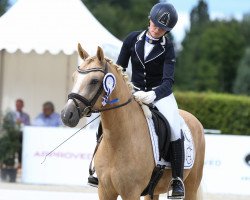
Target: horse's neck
column 119, row 124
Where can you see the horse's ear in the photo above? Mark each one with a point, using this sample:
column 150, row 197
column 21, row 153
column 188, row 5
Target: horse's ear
column 100, row 54
column 83, row 54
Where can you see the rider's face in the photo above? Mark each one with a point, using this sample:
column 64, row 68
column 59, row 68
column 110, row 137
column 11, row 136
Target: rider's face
column 155, row 31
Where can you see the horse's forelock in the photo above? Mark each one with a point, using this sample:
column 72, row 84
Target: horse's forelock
column 87, row 62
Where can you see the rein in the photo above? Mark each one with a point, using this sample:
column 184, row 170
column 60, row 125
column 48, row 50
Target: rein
column 67, row 139
column 90, row 103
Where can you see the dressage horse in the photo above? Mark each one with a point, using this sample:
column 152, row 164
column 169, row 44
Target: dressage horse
column 124, row 161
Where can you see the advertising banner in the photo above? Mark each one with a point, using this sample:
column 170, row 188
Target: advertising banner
column 227, row 164
column 226, row 169
column 67, row 165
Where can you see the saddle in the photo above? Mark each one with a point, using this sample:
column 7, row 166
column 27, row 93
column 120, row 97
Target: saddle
column 162, row 129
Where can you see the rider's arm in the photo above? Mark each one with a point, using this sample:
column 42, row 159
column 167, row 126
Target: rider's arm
column 165, row 88
column 125, row 52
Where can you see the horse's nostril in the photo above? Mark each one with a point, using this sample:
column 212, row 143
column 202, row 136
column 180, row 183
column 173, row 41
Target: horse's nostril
column 71, row 115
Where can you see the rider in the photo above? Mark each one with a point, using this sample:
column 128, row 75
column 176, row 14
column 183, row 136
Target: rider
column 153, row 60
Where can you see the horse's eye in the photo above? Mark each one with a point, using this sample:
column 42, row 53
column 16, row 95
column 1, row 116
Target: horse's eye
column 94, row 81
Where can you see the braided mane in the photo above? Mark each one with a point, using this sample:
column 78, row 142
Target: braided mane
column 120, row 71
column 130, row 85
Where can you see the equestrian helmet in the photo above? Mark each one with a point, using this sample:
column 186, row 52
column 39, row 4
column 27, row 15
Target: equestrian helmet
column 164, row 16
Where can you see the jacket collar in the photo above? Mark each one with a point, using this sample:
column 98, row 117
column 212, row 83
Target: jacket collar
column 156, row 51
column 139, row 46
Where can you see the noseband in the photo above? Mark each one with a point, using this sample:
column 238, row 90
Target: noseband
column 90, row 103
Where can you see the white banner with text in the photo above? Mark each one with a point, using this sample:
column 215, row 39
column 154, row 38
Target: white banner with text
column 227, row 162
column 66, row 165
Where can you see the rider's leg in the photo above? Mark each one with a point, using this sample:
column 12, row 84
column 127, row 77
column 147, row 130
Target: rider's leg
column 168, row 107
column 177, row 163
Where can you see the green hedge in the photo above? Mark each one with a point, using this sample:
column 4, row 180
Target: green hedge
column 228, row 113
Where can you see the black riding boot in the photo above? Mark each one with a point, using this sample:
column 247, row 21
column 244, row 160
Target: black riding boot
column 93, row 181
column 177, row 163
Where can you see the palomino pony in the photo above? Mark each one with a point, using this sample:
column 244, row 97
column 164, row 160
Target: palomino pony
column 124, row 161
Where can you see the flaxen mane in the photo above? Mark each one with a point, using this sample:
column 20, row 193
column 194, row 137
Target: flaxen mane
column 119, row 69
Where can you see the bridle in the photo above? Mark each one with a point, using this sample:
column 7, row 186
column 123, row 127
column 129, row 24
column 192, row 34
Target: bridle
column 88, row 110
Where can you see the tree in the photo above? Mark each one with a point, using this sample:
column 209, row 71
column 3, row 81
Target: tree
column 210, row 55
column 242, row 82
column 223, row 47
column 186, row 68
column 121, row 3
column 3, row 6
column 199, row 16
column 245, row 28
column 121, row 17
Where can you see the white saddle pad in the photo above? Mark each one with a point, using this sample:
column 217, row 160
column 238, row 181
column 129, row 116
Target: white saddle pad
column 188, row 145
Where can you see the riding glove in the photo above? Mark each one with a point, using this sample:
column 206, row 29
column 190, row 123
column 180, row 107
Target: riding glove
column 145, row 97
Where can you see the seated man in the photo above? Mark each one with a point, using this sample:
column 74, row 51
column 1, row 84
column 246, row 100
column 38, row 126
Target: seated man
column 48, row 117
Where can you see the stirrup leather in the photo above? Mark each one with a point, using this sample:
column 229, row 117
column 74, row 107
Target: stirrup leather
column 169, row 187
column 91, row 166
column 93, row 181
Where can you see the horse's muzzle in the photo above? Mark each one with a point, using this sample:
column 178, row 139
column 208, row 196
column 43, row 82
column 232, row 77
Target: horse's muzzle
column 69, row 115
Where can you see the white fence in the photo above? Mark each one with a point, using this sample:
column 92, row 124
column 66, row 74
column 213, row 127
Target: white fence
column 227, row 164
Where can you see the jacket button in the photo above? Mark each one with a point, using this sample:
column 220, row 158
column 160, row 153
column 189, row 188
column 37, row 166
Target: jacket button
column 144, row 73
column 146, row 88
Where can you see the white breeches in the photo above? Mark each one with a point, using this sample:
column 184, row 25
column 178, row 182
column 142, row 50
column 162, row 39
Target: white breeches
column 168, row 107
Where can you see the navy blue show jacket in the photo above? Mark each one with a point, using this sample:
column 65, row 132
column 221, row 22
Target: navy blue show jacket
column 157, row 71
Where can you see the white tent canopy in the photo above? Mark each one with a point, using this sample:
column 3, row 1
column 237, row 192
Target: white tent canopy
column 38, row 43
column 52, row 25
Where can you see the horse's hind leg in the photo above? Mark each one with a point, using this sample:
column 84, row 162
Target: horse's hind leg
column 156, row 197
column 192, row 184
column 193, row 181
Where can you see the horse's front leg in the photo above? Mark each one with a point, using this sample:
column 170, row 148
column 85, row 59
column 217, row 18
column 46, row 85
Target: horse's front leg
column 132, row 195
column 106, row 194
column 156, row 197
column 131, row 198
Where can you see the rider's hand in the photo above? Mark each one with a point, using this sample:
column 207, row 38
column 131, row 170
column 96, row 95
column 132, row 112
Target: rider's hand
column 145, row 97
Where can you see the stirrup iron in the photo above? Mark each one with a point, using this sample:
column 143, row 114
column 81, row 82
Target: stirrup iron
column 169, row 187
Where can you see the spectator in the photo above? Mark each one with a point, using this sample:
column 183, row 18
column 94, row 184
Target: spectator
column 19, row 117
column 48, row 117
